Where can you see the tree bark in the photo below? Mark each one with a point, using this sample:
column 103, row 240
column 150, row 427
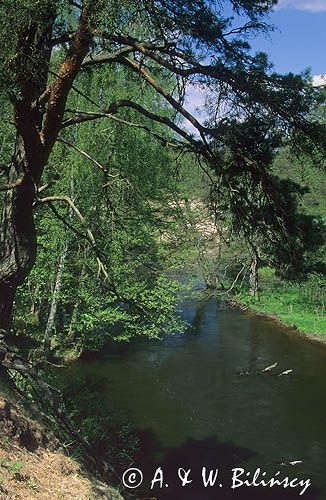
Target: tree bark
column 17, row 233
column 7, row 295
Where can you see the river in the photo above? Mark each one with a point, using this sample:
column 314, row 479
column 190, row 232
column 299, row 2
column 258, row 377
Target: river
column 201, row 399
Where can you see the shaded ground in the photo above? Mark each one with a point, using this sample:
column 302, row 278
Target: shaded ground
column 33, row 468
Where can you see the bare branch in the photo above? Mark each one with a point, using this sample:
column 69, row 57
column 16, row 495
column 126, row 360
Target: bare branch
column 130, row 46
column 46, row 395
column 44, row 187
column 107, row 57
column 164, row 140
column 137, row 68
column 9, row 187
column 246, row 27
column 64, row 220
column 225, row 292
column 128, row 40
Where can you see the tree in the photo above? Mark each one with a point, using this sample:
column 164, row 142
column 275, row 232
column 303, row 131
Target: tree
column 126, row 208
column 188, row 41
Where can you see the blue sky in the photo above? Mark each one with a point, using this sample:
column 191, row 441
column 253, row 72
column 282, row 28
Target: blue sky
column 299, row 40
column 298, row 43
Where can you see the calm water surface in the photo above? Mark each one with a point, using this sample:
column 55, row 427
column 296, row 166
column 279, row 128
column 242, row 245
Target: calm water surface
column 194, row 405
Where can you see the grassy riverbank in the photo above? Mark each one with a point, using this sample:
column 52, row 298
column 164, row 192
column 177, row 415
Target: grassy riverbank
column 301, row 305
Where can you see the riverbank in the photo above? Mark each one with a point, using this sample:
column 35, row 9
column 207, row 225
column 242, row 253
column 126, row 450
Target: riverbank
column 241, row 302
column 33, row 465
column 299, row 306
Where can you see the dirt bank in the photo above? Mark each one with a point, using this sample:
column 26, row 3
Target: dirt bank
column 32, row 466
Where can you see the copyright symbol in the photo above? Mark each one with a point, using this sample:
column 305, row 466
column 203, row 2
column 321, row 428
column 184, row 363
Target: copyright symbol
column 132, row 478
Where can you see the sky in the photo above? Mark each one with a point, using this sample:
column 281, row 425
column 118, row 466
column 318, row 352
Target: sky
column 297, row 43
column 299, row 39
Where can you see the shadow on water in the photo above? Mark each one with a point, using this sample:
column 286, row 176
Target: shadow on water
column 209, row 453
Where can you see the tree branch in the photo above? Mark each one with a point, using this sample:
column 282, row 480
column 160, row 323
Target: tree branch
column 84, row 116
column 64, row 220
column 106, row 57
column 95, row 162
column 217, row 71
column 9, row 187
column 130, row 46
column 137, row 68
column 68, row 70
column 47, row 396
column 89, row 235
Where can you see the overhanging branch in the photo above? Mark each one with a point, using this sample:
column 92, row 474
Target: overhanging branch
column 137, row 68
column 84, row 116
column 107, row 57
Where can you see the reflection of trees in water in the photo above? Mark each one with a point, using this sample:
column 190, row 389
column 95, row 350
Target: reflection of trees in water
column 201, row 308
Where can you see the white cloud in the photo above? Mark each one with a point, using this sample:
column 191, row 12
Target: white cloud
column 195, row 104
column 307, row 5
column 319, row 81
column 195, row 99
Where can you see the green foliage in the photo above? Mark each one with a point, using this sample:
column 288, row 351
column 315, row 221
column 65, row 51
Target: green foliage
column 264, row 207
column 15, row 16
column 107, row 429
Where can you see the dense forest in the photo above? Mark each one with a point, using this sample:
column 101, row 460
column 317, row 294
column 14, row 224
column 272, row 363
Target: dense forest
column 111, row 189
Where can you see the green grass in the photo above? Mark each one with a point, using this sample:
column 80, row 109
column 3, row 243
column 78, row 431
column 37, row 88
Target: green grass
column 11, row 466
column 31, row 484
column 299, row 305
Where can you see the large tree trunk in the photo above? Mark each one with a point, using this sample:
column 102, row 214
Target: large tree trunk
column 17, row 235
column 35, row 140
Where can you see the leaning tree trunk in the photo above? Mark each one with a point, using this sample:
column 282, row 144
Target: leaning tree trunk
column 58, row 280
column 253, row 277
column 55, row 300
column 17, row 233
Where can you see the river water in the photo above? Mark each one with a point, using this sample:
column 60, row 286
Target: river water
column 200, row 399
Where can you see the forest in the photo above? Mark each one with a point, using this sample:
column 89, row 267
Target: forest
column 118, row 202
